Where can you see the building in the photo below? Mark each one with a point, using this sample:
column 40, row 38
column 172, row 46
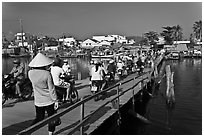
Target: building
column 181, row 42
column 104, row 42
column 90, row 43
column 21, row 39
column 99, row 38
column 119, row 39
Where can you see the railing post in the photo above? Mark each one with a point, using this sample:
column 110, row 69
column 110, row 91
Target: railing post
column 118, row 99
column 118, row 106
column 82, row 117
column 133, row 99
column 142, row 86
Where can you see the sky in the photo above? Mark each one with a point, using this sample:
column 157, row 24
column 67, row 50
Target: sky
column 84, row 19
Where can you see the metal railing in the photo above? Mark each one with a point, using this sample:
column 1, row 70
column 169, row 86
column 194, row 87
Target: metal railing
column 81, row 103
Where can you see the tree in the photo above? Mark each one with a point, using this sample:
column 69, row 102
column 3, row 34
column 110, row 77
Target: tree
column 167, row 34
column 177, row 33
column 152, row 37
column 197, row 29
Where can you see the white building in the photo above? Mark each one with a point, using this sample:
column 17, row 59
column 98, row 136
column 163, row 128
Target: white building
column 104, row 42
column 181, row 42
column 90, row 43
column 99, row 38
column 119, row 38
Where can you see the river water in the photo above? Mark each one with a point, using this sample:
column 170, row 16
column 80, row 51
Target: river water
column 185, row 118
column 79, row 66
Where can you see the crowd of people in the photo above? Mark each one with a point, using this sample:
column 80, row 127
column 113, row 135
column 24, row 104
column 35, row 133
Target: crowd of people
column 124, row 65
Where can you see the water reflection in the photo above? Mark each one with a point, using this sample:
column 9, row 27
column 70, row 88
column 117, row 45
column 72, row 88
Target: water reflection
column 170, row 107
column 79, row 66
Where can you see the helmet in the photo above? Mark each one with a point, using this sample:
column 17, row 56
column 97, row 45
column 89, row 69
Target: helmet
column 16, row 61
column 91, row 62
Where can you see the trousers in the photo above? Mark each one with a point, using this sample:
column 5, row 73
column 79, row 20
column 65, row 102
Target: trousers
column 40, row 115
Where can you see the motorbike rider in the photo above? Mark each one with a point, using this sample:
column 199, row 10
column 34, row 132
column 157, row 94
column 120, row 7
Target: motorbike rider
column 57, row 72
column 120, row 65
column 140, row 64
column 130, row 64
column 111, row 69
column 18, row 75
column 97, row 74
column 66, row 67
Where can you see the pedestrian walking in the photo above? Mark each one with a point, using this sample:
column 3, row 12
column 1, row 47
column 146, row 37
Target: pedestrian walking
column 45, row 98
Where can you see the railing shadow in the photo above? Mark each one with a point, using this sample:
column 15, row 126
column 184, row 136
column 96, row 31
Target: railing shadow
column 87, row 124
column 16, row 128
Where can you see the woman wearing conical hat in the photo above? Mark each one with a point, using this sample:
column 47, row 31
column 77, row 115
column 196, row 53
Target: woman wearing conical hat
column 45, row 98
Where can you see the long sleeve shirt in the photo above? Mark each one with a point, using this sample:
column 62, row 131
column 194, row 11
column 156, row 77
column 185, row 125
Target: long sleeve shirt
column 44, row 89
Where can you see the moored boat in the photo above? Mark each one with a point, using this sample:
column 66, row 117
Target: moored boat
column 174, row 55
column 102, row 56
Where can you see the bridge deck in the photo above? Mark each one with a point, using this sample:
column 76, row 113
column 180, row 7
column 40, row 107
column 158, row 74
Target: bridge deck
column 16, row 116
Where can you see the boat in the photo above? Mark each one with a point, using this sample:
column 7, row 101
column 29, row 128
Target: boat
column 102, row 56
column 173, row 55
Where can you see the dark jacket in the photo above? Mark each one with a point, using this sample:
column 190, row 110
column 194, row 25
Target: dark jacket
column 111, row 68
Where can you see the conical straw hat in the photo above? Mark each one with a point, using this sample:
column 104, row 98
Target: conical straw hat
column 40, row 60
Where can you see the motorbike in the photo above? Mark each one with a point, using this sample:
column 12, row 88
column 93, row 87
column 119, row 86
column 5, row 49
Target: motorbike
column 8, row 88
column 129, row 70
column 140, row 69
column 62, row 92
column 95, row 88
column 110, row 77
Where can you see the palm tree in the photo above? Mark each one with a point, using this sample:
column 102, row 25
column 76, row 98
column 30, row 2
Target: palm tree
column 167, row 34
column 177, row 33
column 197, row 29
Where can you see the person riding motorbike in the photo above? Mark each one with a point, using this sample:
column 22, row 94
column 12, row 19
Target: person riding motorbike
column 140, row 65
column 111, row 70
column 130, row 65
column 66, row 67
column 57, row 72
column 120, row 67
column 18, row 75
column 97, row 76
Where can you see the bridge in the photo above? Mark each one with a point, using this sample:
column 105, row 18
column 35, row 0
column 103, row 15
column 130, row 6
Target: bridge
column 83, row 117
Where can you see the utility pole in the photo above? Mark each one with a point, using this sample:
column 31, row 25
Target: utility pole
column 21, row 26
